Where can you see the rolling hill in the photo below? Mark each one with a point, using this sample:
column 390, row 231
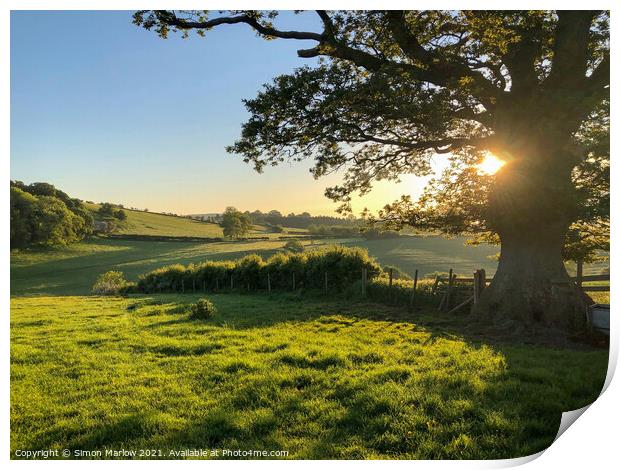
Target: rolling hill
column 151, row 223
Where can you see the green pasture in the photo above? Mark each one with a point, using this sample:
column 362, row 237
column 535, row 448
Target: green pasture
column 72, row 270
column 318, row 378
column 151, row 223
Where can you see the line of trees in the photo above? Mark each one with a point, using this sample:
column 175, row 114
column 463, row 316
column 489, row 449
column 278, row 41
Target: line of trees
column 333, row 230
column 45, row 216
column 302, row 220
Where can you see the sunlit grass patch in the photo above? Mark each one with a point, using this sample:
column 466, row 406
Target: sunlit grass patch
column 319, row 379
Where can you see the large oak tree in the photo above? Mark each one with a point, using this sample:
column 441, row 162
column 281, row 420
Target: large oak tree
column 394, row 88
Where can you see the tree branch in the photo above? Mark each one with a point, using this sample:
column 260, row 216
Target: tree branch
column 329, row 45
column 570, row 51
column 443, row 70
column 172, row 20
column 330, row 30
column 407, row 42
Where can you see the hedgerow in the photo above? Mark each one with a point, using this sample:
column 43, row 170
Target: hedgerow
column 339, row 268
column 342, row 266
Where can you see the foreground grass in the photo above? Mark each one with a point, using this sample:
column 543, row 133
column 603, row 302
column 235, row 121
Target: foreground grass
column 320, row 379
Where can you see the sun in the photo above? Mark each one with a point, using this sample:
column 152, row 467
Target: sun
column 490, row 165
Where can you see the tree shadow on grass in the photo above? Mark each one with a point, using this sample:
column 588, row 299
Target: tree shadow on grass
column 106, row 433
column 513, row 412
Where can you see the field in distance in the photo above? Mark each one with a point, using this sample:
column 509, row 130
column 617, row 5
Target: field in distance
column 72, row 270
column 163, row 225
column 152, row 223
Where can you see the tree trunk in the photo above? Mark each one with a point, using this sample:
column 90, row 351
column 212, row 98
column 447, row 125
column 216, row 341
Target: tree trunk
column 531, row 287
column 531, row 206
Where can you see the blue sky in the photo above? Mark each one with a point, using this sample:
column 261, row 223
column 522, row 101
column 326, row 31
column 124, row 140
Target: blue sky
column 109, row 112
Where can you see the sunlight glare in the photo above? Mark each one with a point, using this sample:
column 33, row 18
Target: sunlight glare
column 490, row 165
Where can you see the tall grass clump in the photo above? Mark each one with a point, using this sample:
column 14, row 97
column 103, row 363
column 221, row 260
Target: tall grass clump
column 342, row 265
column 401, row 291
column 203, row 309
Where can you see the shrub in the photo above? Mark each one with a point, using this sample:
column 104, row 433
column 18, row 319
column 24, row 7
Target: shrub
column 106, row 209
column 120, row 214
column 294, row 246
column 204, row 308
column 110, row 283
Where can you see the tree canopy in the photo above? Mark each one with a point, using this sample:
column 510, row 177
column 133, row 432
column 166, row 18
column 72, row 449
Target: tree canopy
column 43, row 215
column 392, row 89
column 235, row 223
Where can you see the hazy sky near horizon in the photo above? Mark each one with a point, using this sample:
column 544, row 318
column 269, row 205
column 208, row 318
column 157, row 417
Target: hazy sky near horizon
column 107, row 111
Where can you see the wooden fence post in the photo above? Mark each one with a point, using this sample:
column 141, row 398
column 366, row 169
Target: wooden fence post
column 415, row 285
column 449, row 290
column 194, row 284
column 364, row 279
column 579, row 279
column 293, row 281
column 268, row 282
column 483, row 279
column 183, row 285
column 391, row 276
column 434, row 289
column 476, row 286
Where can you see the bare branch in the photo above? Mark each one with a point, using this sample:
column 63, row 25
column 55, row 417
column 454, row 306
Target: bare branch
column 172, row 20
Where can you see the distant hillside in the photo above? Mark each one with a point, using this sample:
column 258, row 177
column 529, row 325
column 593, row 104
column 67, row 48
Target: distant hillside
column 151, row 223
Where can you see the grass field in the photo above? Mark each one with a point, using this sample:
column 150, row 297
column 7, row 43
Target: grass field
column 150, row 223
column 432, row 253
column 154, row 224
column 72, row 270
column 317, row 378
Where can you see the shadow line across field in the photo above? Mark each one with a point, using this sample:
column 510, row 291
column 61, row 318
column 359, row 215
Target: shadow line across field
column 319, row 377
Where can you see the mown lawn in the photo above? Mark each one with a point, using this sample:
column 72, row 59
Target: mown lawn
column 319, row 378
